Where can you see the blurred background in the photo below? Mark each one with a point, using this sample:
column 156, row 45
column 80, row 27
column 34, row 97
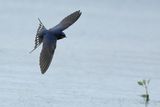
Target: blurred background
column 112, row 46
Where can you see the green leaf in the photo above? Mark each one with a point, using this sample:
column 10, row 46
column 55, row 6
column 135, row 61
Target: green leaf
column 140, row 83
column 144, row 82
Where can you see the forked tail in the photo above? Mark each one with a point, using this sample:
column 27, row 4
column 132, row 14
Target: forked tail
column 39, row 35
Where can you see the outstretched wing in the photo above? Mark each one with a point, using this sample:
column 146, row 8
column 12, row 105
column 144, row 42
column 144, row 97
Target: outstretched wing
column 39, row 35
column 67, row 21
column 46, row 55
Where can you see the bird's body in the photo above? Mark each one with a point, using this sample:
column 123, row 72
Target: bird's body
column 49, row 39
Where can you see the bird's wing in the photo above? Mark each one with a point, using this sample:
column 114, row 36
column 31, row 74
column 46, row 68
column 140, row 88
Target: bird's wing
column 46, row 55
column 67, row 21
column 39, row 35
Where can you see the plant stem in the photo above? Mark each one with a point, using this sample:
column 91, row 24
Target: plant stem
column 147, row 95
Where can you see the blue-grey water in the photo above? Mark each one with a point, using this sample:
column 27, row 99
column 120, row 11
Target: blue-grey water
column 112, row 46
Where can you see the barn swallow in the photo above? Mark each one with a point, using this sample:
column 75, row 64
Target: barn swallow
column 49, row 37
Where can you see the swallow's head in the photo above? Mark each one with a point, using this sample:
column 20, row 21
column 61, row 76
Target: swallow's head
column 60, row 35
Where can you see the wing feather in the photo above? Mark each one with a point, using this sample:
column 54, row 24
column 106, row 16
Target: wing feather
column 67, row 21
column 46, row 56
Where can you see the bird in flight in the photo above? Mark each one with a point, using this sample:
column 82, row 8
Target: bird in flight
column 49, row 39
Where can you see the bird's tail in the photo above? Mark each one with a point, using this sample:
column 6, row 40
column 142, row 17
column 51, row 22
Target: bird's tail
column 40, row 22
column 38, row 38
column 41, row 26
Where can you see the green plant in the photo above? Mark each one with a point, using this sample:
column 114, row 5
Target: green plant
column 144, row 83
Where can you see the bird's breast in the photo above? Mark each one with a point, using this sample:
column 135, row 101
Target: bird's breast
column 49, row 42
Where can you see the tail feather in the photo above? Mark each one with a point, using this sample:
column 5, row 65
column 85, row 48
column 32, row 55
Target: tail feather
column 39, row 35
